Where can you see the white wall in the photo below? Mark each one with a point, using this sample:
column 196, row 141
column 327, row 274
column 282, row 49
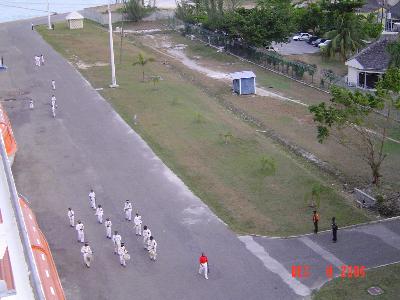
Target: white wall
column 352, row 76
column 9, row 231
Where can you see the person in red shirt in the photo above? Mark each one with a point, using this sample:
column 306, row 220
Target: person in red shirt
column 315, row 219
column 203, row 260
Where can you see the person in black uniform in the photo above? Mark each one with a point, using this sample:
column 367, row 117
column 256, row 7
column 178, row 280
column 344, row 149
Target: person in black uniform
column 334, row 230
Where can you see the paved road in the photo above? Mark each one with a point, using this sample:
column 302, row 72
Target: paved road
column 88, row 145
column 295, row 48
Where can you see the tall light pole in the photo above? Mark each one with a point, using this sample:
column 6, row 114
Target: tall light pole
column 113, row 79
column 48, row 14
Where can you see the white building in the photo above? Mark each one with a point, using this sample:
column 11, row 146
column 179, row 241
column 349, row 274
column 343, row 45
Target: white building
column 74, row 20
column 366, row 67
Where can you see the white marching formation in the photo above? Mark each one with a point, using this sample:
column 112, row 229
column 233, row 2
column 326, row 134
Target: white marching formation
column 149, row 243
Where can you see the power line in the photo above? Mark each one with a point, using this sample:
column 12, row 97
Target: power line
column 13, row 6
column 55, row 4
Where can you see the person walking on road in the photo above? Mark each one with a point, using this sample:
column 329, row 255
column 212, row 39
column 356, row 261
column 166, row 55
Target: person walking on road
column 32, row 26
column 108, row 225
column 203, row 260
column 315, row 219
column 137, row 220
column 53, row 100
column 99, row 213
column 31, row 106
column 334, row 230
column 71, row 217
column 87, row 254
column 116, row 238
column 53, row 84
column 152, row 248
column 37, row 61
column 128, row 210
column 42, row 59
column 80, row 229
column 146, row 235
column 92, row 199
column 123, row 255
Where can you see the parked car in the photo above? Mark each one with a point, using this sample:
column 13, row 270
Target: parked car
column 316, row 42
column 270, row 48
column 320, row 42
column 302, row 36
column 312, row 39
column 324, row 44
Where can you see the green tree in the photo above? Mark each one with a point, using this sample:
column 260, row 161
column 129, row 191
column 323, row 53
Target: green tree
column 313, row 197
column 142, row 60
column 347, row 37
column 310, row 18
column 267, row 165
column 370, row 27
column 351, row 118
column 260, row 26
column 394, row 50
column 135, row 10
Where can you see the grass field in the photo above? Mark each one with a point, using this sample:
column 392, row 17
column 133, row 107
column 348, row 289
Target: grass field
column 291, row 121
column 217, row 155
column 387, row 278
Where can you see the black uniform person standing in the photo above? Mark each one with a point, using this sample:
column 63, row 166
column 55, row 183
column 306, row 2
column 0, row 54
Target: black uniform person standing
column 334, row 230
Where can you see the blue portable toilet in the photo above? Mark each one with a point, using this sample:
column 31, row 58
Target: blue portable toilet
column 244, row 83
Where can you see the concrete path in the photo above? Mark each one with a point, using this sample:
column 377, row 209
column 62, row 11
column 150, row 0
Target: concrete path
column 88, row 145
column 369, row 245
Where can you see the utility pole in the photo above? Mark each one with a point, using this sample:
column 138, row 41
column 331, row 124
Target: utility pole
column 122, row 34
column 48, row 14
column 113, row 79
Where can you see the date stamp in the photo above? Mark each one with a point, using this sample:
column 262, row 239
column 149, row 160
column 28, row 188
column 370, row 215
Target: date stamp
column 346, row 271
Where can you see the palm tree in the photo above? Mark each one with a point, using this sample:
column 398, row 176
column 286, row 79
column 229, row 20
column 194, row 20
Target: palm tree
column 141, row 60
column 346, row 38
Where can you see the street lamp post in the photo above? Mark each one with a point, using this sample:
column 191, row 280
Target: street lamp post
column 113, row 78
column 48, row 15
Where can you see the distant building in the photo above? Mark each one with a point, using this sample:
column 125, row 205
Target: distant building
column 244, row 83
column 74, row 20
column 366, row 67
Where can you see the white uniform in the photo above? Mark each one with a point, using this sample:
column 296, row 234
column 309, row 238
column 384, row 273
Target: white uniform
column 31, row 106
column 87, row 255
column 204, row 268
column 53, row 84
column 81, row 234
column 53, row 101
column 152, row 248
column 116, row 238
column 99, row 214
column 128, row 211
column 71, row 216
column 37, row 61
column 146, row 236
column 92, row 198
column 137, row 220
column 122, row 258
column 108, row 225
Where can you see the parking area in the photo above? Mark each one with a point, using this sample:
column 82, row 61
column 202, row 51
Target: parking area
column 295, row 47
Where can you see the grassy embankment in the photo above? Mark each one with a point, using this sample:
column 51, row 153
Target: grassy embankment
column 387, row 278
column 217, row 155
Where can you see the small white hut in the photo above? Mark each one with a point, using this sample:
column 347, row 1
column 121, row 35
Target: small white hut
column 74, row 20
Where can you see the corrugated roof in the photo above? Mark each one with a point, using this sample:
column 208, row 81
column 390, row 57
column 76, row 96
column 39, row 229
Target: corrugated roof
column 243, row 74
column 375, row 56
column 74, row 16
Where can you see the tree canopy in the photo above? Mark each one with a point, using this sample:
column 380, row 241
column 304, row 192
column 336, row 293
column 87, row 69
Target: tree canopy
column 350, row 117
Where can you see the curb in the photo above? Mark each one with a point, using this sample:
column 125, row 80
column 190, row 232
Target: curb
column 324, row 231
